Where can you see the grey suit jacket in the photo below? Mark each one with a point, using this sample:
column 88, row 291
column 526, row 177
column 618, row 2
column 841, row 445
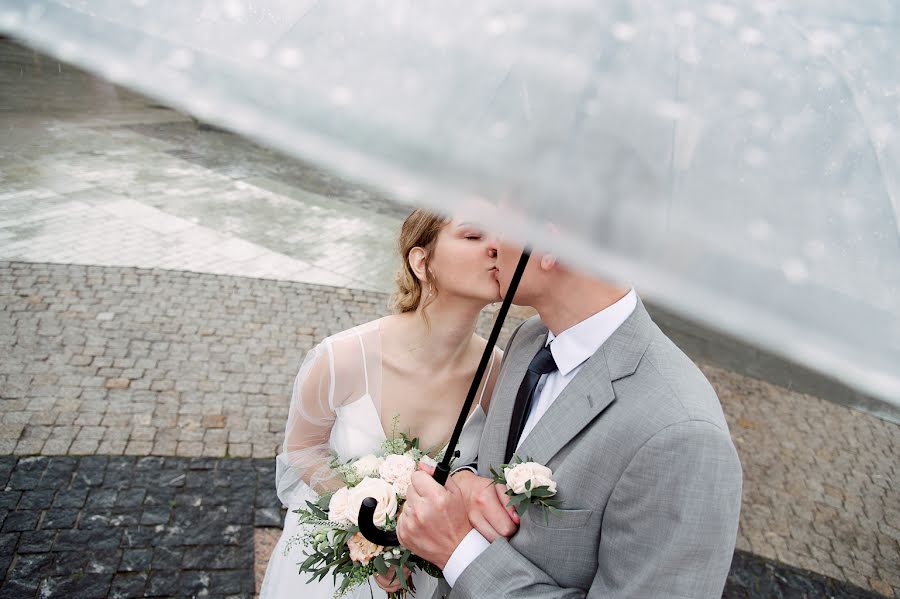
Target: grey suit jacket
column 648, row 476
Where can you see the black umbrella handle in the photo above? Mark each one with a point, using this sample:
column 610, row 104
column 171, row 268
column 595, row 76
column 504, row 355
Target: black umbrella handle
column 369, row 530
column 442, row 471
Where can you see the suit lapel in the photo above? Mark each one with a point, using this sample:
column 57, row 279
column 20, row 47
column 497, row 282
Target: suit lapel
column 583, row 399
column 591, row 391
column 493, row 442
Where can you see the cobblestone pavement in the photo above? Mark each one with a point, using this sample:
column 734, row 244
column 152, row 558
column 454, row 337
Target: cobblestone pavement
column 96, row 175
column 123, row 361
column 123, row 526
column 115, row 527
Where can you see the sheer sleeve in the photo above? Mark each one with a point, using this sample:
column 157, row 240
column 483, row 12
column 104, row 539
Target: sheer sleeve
column 303, row 465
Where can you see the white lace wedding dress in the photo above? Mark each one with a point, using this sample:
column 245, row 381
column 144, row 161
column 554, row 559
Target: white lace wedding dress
column 336, row 406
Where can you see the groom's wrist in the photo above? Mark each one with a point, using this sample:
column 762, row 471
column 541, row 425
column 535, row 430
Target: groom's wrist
column 468, row 550
column 467, row 468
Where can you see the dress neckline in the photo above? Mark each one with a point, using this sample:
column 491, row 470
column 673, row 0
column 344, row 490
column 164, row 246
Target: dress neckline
column 377, row 416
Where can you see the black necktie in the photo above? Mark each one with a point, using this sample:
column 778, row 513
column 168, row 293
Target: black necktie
column 542, row 363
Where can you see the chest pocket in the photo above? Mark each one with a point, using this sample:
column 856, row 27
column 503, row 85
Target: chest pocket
column 564, row 544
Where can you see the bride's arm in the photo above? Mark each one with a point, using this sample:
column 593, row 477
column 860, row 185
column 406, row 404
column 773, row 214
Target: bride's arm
column 304, row 462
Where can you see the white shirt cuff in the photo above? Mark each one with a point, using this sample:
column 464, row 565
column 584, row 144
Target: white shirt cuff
column 465, row 553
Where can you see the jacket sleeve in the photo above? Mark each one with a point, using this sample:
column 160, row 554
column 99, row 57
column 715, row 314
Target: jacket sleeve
column 668, row 529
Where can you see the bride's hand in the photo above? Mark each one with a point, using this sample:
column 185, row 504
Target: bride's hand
column 487, row 506
column 388, row 582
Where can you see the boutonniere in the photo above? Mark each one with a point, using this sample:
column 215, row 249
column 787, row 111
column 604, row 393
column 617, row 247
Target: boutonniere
column 528, row 483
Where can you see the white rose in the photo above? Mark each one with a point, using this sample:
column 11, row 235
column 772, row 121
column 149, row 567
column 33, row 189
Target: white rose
column 401, row 485
column 397, row 467
column 367, row 465
column 427, row 460
column 338, row 506
column 540, row 476
column 383, row 493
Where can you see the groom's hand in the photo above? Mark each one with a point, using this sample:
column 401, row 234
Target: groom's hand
column 434, row 520
column 486, row 506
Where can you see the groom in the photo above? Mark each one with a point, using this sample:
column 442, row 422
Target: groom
column 647, row 475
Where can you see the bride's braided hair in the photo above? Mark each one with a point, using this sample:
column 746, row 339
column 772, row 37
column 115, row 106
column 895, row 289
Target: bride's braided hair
column 420, row 229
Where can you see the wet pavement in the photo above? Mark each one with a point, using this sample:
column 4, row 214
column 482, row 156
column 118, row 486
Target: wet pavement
column 93, row 174
column 160, row 281
column 109, row 361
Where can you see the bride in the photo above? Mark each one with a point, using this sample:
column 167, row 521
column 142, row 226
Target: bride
column 411, row 369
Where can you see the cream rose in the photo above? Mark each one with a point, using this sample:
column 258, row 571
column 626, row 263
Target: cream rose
column 540, row 476
column 339, row 506
column 401, row 486
column 397, row 467
column 367, row 465
column 362, row 550
column 384, row 494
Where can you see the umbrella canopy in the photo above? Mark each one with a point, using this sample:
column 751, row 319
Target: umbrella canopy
column 737, row 161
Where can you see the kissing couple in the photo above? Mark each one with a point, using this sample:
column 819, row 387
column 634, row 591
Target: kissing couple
column 647, row 479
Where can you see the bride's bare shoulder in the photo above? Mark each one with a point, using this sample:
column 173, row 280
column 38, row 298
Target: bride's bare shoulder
column 347, row 348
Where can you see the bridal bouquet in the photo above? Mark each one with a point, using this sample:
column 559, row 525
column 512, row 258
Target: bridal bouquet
column 334, row 543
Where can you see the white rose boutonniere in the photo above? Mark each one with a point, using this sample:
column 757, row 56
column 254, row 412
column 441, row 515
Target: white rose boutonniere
column 528, row 483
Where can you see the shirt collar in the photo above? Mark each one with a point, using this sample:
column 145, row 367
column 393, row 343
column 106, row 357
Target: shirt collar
column 579, row 342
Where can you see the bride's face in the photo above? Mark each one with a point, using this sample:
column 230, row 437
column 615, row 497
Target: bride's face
column 464, row 263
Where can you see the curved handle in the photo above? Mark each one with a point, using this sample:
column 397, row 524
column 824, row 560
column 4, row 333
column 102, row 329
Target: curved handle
column 369, row 530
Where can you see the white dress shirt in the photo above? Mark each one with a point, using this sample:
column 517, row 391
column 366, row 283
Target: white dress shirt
column 570, row 349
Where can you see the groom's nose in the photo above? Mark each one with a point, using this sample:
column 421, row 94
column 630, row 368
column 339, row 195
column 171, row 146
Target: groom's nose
column 492, row 243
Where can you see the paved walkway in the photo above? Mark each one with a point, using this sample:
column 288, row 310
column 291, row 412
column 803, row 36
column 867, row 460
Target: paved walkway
column 193, row 270
column 112, row 361
column 96, row 175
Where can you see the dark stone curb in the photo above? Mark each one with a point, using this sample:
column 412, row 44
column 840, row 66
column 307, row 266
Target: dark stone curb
column 102, row 526
column 118, row 526
column 755, row 577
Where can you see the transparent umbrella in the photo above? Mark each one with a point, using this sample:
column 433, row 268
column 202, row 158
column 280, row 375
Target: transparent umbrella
column 737, row 161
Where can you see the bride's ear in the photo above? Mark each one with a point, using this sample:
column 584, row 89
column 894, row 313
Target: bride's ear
column 417, row 263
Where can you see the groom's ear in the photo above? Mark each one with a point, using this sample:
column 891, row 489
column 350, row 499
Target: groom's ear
column 417, row 262
column 548, row 262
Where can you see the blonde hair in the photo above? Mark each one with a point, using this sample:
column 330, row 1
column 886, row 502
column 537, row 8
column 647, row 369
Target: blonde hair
column 420, row 229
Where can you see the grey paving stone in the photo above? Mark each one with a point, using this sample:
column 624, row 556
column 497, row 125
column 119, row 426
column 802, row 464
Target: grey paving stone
column 136, row 560
column 86, row 586
column 9, row 499
column 70, row 498
column 163, row 583
column 59, row 518
column 37, row 499
column 168, row 558
column 103, row 562
column 20, row 521
column 126, row 585
column 98, row 539
column 37, row 541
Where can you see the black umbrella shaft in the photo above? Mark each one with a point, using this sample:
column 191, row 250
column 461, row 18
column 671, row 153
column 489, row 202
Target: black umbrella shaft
column 442, row 471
